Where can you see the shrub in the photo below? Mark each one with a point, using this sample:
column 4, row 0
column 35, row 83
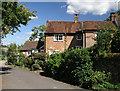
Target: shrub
column 41, row 63
column 19, row 64
column 115, row 45
column 66, row 64
column 29, row 62
column 52, row 66
column 75, row 66
column 35, row 67
column 41, row 56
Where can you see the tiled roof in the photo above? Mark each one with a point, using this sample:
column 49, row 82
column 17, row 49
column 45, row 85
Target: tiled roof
column 29, row 45
column 118, row 20
column 72, row 27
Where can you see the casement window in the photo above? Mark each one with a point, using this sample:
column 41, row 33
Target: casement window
column 79, row 37
column 35, row 51
column 96, row 33
column 53, row 52
column 41, row 50
column 29, row 53
column 58, row 37
column 78, row 47
column 56, row 51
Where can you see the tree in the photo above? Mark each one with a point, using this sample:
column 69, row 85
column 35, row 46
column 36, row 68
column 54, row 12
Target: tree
column 12, row 54
column 38, row 33
column 117, row 12
column 115, row 45
column 104, row 38
column 13, row 16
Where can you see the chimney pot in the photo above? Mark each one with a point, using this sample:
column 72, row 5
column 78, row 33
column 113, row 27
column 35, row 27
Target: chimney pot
column 76, row 16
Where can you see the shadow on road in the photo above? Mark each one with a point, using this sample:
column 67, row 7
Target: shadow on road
column 4, row 70
column 56, row 78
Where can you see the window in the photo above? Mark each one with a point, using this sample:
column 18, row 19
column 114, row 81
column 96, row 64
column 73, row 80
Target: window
column 56, row 51
column 53, row 52
column 78, row 47
column 35, row 51
column 96, row 33
column 29, row 52
column 41, row 50
column 58, row 37
column 79, row 36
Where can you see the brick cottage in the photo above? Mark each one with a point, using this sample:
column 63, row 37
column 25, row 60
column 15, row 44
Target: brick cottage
column 62, row 35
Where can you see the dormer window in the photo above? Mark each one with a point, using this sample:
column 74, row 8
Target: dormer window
column 79, row 36
column 58, row 37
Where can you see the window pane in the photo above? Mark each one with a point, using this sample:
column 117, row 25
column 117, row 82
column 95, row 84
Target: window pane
column 79, row 36
column 60, row 37
column 56, row 38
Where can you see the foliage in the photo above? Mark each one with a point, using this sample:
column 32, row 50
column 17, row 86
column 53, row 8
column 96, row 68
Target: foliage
column 52, row 66
column 118, row 12
column 41, row 56
column 38, row 33
column 109, row 63
column 104, row 38
column 21, row 57
column 2, row 57
column 115, row 45
column 13, row 16
column 19, row 64
column 76, row 66
column 35, row 67
column 12, row 51
column 29, row 62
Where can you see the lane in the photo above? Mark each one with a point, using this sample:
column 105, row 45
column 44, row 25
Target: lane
column 17, row 78
column 2, row 63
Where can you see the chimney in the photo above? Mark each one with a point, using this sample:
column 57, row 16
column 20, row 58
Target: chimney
column 112, row 17
column 76, row 17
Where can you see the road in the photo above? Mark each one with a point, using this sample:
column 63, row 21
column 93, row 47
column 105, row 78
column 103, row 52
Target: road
column 18, row 78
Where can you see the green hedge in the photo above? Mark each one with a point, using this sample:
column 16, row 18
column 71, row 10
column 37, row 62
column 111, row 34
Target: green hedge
column 76, row 67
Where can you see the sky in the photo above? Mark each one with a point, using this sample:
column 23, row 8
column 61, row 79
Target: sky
column 89, row 10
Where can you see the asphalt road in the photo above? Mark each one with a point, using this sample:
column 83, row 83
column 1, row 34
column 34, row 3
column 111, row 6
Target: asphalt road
column 17, row 78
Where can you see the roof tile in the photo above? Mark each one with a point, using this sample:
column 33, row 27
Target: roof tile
column 72, row 27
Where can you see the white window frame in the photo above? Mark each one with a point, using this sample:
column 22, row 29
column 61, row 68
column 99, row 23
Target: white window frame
column 96, row 34
column 56, row 51
column 58, row 37
column 79, row 47
column 36, row 51
column 78, row 35
column 41, row 50
column 28, row 52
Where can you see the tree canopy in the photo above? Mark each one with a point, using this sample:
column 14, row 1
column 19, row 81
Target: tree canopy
column 13, row 16
column 117, row 12
column 38, row 32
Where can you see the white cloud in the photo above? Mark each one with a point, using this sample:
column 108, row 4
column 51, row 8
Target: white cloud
column 28, row 33
column 21, row 38
column 33, row 17
column 63, row 6
column 96, row 7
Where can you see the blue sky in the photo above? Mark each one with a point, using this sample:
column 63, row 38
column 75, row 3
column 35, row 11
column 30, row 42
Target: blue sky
column 54, row 11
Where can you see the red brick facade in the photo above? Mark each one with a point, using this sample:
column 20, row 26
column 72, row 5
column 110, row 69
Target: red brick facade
column 70, row 29
column 68, row 42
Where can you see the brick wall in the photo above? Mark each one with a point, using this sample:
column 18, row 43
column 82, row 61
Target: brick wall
column 89, row 39
column 71, row 41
